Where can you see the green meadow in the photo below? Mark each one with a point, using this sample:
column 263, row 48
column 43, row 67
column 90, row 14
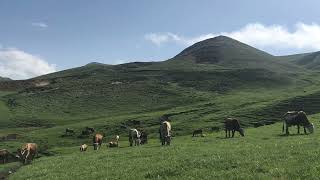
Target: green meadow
column 264, row 153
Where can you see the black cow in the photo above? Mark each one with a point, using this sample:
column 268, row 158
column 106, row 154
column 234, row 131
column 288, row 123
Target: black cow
column 91, row 129
column 69, row 131
column 196, row 132
column 233, row 125
column 296, row 118
column 144, row 137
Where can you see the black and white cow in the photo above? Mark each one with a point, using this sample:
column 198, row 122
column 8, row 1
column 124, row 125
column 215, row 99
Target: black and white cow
column 134, row 137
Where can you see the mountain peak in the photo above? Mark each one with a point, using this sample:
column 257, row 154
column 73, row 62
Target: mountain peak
column 222, row 50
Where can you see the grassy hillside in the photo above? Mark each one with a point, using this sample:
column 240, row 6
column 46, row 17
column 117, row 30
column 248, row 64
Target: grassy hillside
column 263, row 153
column 198, row 88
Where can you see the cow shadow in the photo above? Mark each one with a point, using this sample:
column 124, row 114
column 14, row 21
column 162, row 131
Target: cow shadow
column 235, row 137
column 288, row 135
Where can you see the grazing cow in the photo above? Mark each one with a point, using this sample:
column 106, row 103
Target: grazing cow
column 232, row 125
column 85, row 133
column 90, row 129
column 134, row 136
column 115, row 142
column 144, row 137
column 69, row 131
column 83, row 147
column 97, row 141
column 4, row 155
column 297, row 118
column 197, row 132
column 165, row 136
column 27, row 152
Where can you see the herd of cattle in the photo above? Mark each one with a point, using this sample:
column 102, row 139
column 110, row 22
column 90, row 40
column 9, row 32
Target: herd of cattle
column 30, row 150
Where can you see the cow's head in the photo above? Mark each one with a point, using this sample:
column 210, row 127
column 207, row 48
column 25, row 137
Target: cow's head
column 241, row 131
column 310, row 128
column 20, row 155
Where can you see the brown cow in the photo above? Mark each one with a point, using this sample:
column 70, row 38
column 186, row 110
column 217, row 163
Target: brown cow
column 83, row 147
column 233, row 125
column 97, row 141
column 4, row 155
column 27, row 152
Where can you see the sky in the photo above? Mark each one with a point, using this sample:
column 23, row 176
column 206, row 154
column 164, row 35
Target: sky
column 43, row 36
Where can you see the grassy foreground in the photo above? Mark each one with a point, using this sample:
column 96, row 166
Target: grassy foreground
column 262, row 154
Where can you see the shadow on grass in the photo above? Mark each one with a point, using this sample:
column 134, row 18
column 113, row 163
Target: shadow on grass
column 287, row 135
column 235, row 137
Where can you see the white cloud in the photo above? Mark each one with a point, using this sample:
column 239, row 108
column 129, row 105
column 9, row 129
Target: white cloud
column 17, row 64
column 304, row 36
column 39, row 24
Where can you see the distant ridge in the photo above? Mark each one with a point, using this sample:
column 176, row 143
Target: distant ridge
column 5, row 79
column 96, row 64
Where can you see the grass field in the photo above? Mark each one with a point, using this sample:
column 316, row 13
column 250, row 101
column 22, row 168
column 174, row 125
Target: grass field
column 262, row 154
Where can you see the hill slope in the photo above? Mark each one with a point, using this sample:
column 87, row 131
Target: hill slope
column 200, row 74
column 198, row 88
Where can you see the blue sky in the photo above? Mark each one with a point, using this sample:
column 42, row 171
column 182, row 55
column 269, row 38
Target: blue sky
column 42, row 36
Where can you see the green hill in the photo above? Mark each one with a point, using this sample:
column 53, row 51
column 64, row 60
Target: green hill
column 198, row 88
column 204, row 73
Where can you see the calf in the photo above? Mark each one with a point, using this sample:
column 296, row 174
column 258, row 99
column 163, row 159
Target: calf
column 197, row 132
column 232, row 125
column 83, row 147
column 115, row 142
column 4, row 155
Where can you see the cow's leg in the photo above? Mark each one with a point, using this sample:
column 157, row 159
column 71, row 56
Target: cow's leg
column 229, row 135
column 287, row 130
column 27, row 156
column 233, row 133
column 298, row 129
column 226, row 133
column 304, row 129
column 168, row 140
